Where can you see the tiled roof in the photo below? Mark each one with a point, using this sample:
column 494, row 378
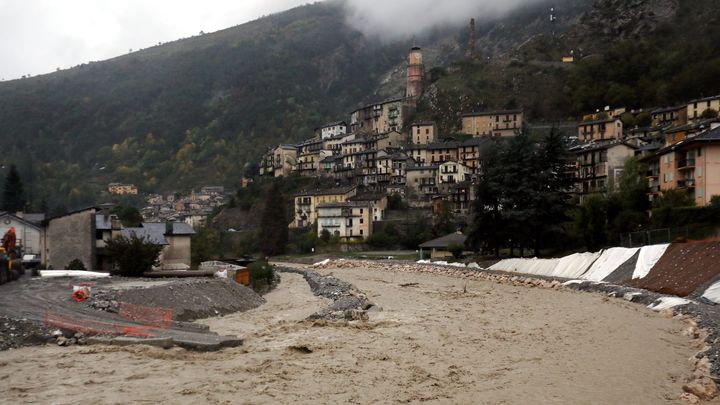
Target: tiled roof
column 445, row 241
column 499, row 112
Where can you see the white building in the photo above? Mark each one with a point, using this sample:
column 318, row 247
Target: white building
column 332, row 130
column 27, row 234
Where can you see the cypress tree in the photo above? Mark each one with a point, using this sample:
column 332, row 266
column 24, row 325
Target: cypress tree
column 273, row 235
column 13, row 194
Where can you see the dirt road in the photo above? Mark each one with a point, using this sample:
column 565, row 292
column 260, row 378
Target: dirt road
column 438, row 339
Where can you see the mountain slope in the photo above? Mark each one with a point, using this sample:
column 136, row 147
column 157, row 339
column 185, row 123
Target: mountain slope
column 198, row 110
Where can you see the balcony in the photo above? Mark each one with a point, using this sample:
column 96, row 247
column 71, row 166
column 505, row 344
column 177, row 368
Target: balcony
column 686, row 164
column 653, row 173
column 686, row 183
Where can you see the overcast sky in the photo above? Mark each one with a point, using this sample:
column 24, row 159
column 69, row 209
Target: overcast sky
column 39, row 36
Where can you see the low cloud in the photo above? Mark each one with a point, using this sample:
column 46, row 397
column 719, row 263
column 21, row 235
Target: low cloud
column 402, row 19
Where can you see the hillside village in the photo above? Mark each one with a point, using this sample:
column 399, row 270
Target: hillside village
column 382, row 153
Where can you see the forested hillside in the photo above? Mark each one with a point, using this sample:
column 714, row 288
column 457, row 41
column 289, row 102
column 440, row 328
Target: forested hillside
column 628, row 53
column 180, row 115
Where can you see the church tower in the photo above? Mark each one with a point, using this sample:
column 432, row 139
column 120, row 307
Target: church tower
column 415, row 74
column 471, row 50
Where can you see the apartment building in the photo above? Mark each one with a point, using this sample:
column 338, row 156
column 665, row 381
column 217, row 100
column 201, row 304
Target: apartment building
column 692, row 164
column 378, row 203
column 382, row 117
column 599, row 166
column 350, row 221
column 606, row 129
column 306, row 204
column 492, row 123
column 423, row 133
column 422, row 180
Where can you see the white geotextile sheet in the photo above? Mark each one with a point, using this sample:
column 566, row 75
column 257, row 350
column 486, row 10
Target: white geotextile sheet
column 539, row 267
column 574, row 266
column 72, row 273
column 649, row 256
column 713, row 293
column 668, row 302
column 608, row 262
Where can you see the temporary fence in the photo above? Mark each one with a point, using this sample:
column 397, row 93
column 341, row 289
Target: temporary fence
column 136, row 321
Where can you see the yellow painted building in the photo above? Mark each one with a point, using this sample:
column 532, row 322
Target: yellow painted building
column 122, row 189
column 696, row 108
column 306, row 204
column 493, row 123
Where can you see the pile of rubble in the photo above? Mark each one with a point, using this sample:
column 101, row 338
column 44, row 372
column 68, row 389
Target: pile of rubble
column 69, row 338
column 16, row 333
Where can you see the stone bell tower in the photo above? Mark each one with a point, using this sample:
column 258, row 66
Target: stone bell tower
column 415, row 73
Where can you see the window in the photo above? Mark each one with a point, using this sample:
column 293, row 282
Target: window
column 699, row 172
column 362, row 220
column 699, row 193
column 361, row 232
column 427, row 130
column 699, row 152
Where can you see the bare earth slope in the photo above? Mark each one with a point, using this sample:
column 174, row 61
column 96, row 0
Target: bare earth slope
column 433, row 342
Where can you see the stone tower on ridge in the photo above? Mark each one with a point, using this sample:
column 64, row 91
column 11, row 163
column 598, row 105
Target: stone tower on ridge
column 415, row 73
column 471, row 51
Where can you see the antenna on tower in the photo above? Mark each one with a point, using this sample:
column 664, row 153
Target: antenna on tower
column 553, row 19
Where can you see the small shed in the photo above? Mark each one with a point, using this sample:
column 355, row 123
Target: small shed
column 439, row 246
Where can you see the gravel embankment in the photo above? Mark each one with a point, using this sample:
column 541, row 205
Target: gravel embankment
column 348, row 302
column 189, row 299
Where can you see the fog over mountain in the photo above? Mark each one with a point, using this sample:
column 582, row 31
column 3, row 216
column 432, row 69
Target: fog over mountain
column 392, row 20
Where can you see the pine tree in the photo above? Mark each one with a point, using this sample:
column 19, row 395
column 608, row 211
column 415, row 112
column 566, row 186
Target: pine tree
column 273, row 235
column 13, row 194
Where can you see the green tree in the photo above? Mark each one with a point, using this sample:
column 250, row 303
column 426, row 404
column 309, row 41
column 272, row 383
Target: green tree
column 488, row 230
column 128, row 215
column 591, row 222
column 456, row 249
column 205, row 245
column 13, row 194
column 673, row 198
column 273, row 235
column 132, row 256
column 709, row 113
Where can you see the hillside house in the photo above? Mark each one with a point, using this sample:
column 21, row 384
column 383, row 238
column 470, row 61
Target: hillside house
column 692, row 164
column 122, row 189
column 599, row 166
column 306, row 204
column 696, row 108
column 492, row 123
column 606, row 129
column 451, row 172
column 423, row 133
column 332, row 130
column 669, row 117
column 351, row 221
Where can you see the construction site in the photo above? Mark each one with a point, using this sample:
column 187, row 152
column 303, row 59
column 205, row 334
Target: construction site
column 587, row 328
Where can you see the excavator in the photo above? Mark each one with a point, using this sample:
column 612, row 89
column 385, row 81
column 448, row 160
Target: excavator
column 11, row 267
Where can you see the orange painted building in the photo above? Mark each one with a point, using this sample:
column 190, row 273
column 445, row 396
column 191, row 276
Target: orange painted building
column 692, row 164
